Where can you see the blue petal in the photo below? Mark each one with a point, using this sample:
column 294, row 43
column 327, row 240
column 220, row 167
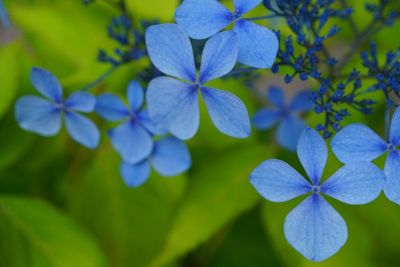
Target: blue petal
column 315, row 229
column 135, row 95
column 174, row 105
column 170, row 51
column 395, row 128
column 219, row 56
column 277, row 181
column 135, row 175
column 312, row 153
column 81, row 101
column 266, row 118
column 35, row 114
column 355, row 183
column 110, row 107
column 227, row 112
column 46, row 84
column 258, row 46
column 171, row 157
column 131, row 141
column 3, row 15
column 357, row 142
column 244, row 6
column 301, row 102
column 202, row 18
column 276, row 96
column 392, row 171
column 145, row 120
column 82, row 130
column 289, row 132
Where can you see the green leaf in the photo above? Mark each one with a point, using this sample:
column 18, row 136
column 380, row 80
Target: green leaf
column 35, row 234
column 159, row 9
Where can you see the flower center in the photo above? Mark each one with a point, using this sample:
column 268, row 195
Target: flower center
column 237, row 13
column 315, row 189
column 391, row 147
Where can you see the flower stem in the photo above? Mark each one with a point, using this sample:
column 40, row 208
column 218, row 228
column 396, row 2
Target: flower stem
column 100, row 79
column 387, row 121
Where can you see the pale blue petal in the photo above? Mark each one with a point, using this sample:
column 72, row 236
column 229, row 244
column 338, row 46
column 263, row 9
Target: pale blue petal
column 110, row 107
column 219, row 56
column 170, row 157
column 135, row 95
column 301, row 102
column 170, row 51
column 227, row 112
column 266, row 118
column 46, row 84
column 244, row 6
column 3, row 15
column 289, row 131
column 81, row 101
column 258, row 46
column 315, row 229
column 395, row 128
column 135, row 175
column 276, row 96
column 82, row 130
column 174, row 105
column 392, row 171
column 202, row 18
column 355, row 183
column 145, row 120
column 312, row 153
column 277, row 181
column 357, row 142
column 131, row 141
column 37, row 115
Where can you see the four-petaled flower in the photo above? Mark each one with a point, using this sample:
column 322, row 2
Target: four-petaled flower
column 290, row 125
column 314, row 227
column 358, row 142
column 43, row 115
column 133, row 138
column 173, row 103
column 258, row 46
column 169, row 157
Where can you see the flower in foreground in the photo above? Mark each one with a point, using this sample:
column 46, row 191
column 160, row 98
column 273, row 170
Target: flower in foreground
column 173, row 102
column 314, row 227
column 357, row 142
column 290, row 125
column 258, row 46
column 133, row 137
column 43, row 115
column 169, row 157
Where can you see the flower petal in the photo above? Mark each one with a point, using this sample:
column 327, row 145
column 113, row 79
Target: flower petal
column 148, row 124
column 135, row 175
column 289, row 132
column 81, row 101
column 244, row 6
column 37, row 115
column 355, row 183
column 392, row 171
column 219, row 56
column 82, row 130
column 301, row 102
column 357, row 142
column 174, row 105
column 395, row 128
column 312, row 153
column 202, row 18
column 265, row 118
column 277, row 181
column 46, row 84
column 227, row 112
column 3, row 15
column 135, row 95
column 110, row 107
column 258, row 46
column 276, row 96
column 315, row 229
column 131, row 141
column 170, row 51
column 170, row 157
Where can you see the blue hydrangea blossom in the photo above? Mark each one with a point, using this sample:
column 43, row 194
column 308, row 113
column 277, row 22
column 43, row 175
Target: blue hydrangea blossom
column 290, row 124
column 3, row 15
column 133, row 137
column 43, row 115
column 173, row 102
column 169, row 157
column 314, row 227
column 201, row 19
column 358, row 142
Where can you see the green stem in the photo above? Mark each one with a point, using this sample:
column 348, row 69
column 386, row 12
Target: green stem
column 100, row 79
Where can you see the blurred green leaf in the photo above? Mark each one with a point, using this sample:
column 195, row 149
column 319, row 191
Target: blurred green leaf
column 160, row 9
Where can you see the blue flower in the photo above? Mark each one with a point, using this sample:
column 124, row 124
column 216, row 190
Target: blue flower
column 290, row 125
column 258, row 46
column 173, row 102
column 358, row 142
column 169, row 157
column 3, row 15
column 43, row 115
column 314, row 227
column 133, row 138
